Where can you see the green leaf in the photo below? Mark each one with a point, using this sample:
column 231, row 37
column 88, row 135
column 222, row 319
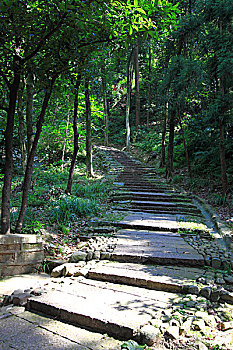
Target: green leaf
column 132, row 345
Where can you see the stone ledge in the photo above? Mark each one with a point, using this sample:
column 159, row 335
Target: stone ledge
column 16, row 238
column 20, row 254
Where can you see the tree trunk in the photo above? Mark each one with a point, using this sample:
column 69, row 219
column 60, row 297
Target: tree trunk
column 29, row 110
column 65, row 137
column 106, row 108
column 76, row 136
column 169, row 169
column 88, row 130
column 129, row 85
column 222, row 157
column 6, row 191
column 184, row 142
column 137, row 94
column 21, row 128
column 162, row 162
column 30, row 161
column 149, row 89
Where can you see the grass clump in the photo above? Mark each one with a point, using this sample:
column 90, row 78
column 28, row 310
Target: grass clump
column 70, row 208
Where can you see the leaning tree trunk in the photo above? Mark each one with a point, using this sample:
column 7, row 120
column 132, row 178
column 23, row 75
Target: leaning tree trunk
column 88, row 130
column 29, row 110
column 169, row 168
column 137, row 93
column 8, row 170
column 76, row 136
column 30, row 161
column 21, row 128
column 65, row 137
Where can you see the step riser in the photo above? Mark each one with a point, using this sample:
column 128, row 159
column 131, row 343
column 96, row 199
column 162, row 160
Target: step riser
column 165, row 261
column 130, row 281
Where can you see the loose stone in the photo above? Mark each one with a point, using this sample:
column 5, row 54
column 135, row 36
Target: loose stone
column 149, row 335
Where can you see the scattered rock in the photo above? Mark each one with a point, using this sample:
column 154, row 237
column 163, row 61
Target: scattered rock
column 78, row 256
column 149, row 335
column 172, row 332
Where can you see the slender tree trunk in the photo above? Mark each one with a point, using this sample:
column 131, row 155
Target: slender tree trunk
column 221, row 133
column 169, row 169
column 8, row 169
column 29, row 110
column 137, row 94
column 162, row 162
column 185, row 145
column 21, row 128
column 149, row 89
column 76, row 136
column 88, row 130
column 129, row 85
column 222, row 157
column 65, row 137
column 30, row 161
column 106, row 109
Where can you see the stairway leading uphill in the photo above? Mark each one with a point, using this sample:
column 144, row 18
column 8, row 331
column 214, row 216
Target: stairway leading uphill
column 157, row 262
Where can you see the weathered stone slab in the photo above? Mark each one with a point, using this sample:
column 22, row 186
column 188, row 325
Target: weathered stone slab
column 114, row 309
column 166, row 278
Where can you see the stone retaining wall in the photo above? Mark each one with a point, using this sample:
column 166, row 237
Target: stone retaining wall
column 20, row 254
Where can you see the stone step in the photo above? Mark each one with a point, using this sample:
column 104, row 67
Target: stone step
column 155, row 247
column 165, row 197
column 161, row 211
column 158, row 222
column 115, row 309
column 173, row 279
column 160, row 204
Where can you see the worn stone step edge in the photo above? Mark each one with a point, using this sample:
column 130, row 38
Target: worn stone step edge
column 78, row 319
column 157, row 260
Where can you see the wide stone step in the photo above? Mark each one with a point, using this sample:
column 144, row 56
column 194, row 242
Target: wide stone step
column 171, row 211
column 160, row 204
column 157, row 277
column 118, row 310
column 155, row 247
column 158, row 222
column 159, row 196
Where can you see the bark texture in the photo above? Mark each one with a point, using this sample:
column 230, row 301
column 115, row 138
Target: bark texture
column 76, row 136
column 30, row 161
column 88, row 131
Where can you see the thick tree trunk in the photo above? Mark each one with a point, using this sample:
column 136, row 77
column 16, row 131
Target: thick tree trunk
column 88, row 131
column 169, row 168
column 21, row 128
column 6, row 191
column 65, row 137
column 29, row 110
column 129, row 85
column 137, row 93
column 162, row 162
column 30, row 161
column 76, row 136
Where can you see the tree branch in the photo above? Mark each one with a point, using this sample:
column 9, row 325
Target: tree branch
column 5, row 79
column 42, row 41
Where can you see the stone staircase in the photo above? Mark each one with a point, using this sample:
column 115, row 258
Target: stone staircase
column 156, row 279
